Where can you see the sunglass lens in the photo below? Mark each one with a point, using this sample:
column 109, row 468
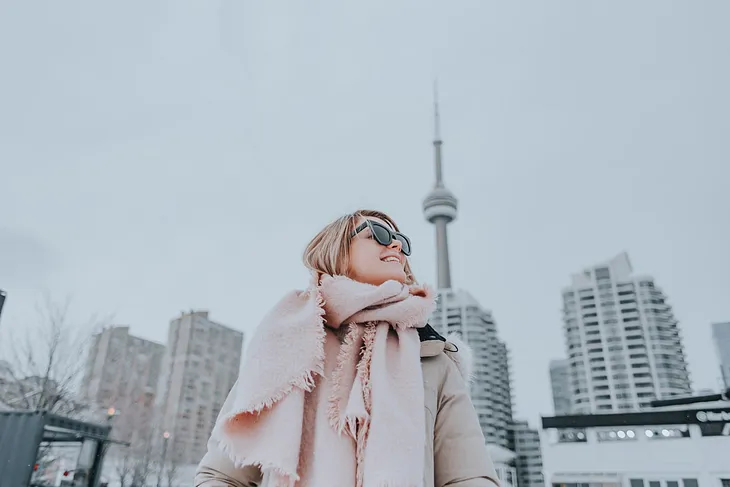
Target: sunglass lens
column 381, row 234
column 405, row 243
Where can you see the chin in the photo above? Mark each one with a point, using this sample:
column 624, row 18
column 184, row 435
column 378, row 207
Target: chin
column 377, row 280
column 400, row 277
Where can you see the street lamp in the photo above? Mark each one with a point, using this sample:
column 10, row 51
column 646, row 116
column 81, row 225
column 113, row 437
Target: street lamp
column 165, row 438
column 110, row 413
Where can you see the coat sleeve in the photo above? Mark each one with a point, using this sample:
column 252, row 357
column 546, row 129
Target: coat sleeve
column 217, row 470
column 461, row 458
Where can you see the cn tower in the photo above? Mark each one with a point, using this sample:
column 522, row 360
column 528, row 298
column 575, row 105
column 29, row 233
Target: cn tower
column 440, row 206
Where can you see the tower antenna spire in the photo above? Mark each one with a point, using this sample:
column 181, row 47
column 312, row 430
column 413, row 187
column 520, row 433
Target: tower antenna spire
column 436, row 115
column 437, row 142
column 440, row 206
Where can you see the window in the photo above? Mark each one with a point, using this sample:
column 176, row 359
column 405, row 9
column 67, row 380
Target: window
column 603, row 273
column 655, row 483
column 724, row 482
column 690, row 483
column 637, row 482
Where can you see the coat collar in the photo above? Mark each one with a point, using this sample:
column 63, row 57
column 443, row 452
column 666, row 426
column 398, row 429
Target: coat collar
column 433, row 343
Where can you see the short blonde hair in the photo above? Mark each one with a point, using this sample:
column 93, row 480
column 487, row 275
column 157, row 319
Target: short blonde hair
column 329, row 251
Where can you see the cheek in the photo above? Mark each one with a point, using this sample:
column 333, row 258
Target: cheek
column 362, row 258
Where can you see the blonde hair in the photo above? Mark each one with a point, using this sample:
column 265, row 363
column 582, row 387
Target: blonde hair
column 329, row 251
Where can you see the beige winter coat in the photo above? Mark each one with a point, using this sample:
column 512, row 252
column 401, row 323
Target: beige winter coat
column 456, row 453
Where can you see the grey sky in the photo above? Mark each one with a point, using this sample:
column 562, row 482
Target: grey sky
column 154, row 160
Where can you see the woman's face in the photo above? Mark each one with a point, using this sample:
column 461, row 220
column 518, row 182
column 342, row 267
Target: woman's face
column 373, row 263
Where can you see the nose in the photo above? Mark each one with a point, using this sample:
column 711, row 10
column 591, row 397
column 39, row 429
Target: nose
column 396, row 244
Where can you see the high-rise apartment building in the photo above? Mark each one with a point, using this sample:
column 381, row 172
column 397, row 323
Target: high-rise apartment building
column 458, row 312
column 622, row 340
column 560, row 385
column 528, row 456
column 122, row 372
column 200, row 367
column 721, row 338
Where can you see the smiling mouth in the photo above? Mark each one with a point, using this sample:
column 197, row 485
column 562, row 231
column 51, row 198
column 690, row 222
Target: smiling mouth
column 391, row 259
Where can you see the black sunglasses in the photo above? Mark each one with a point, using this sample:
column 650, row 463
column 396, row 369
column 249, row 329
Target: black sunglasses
column 384, row 235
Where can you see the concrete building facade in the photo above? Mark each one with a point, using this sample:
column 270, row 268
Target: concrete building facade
column 122, row 372
column 201, row 365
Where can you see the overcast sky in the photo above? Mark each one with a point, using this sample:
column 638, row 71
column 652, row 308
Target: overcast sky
column 162, row 156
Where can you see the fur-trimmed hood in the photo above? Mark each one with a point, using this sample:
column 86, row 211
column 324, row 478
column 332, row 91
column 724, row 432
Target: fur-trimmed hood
column 432, row 343
column 463, row 357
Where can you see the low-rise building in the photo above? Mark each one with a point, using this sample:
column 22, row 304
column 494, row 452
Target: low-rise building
column 677, row 443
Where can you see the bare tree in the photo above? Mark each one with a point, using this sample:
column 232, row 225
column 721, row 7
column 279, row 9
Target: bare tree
column 123, row 466
column 143, row 464
column 133, row 424
column 47, row 362
column 173, row 464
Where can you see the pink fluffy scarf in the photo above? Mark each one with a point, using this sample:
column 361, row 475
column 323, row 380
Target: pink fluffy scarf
column 331, row 391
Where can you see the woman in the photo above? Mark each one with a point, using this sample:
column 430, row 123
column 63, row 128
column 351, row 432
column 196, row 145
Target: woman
column 344, row 384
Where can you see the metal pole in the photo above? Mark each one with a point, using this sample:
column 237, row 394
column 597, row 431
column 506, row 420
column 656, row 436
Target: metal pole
column 3, row 294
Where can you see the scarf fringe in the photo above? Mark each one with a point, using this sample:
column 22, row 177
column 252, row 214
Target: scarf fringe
column 308, row 379
column 334, row 410
column 362, row 438
column 363, row 368
column 281, row 478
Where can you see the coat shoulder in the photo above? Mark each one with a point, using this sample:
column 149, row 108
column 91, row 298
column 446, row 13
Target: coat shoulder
column 440, row 358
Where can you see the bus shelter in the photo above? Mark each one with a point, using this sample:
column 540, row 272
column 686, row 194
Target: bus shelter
column 24, row 435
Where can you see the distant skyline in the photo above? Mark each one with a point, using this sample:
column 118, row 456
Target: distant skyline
column 155, row 159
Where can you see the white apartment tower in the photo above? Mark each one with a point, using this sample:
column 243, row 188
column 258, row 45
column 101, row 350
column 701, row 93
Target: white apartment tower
column 560, row 385
column 200, row 367
column 721, row 338
column 622, row 340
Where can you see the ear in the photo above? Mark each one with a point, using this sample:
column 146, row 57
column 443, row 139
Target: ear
column 463, row 356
